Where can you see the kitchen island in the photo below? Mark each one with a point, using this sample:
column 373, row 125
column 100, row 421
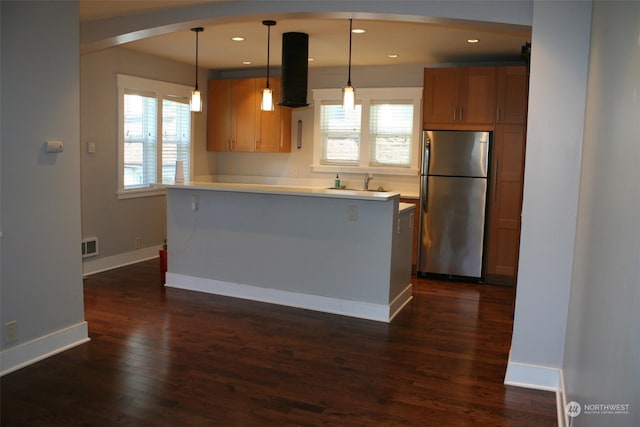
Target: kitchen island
column 337, row 251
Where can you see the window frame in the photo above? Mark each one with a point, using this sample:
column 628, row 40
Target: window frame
column 162, row 91
column 365, row 97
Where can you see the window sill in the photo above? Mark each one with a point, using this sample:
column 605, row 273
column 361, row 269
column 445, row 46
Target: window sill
column 141, row 192
column 379, row 170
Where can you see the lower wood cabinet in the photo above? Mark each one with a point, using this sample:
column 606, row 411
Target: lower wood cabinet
column 236, row 123
column 416, row 231
column 505, row 203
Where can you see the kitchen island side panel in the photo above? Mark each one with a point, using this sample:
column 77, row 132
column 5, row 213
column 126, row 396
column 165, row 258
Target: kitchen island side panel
column 335, row 247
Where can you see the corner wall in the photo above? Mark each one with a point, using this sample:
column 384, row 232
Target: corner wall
column 602, row 357
column 41, row 268
column 557, row 93
column 118, row 222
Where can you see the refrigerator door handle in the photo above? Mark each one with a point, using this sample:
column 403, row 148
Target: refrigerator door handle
column 424, row 193
column 426, row 148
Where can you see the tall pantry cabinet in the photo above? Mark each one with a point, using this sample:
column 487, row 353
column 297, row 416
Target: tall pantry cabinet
column 488, row 99
column 507, row 175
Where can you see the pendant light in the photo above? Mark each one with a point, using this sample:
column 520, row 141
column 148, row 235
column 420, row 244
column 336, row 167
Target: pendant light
column 267, row 93
column 348, row 92
column 196, row 98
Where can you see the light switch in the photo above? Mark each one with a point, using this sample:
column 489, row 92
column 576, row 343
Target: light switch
column 91, row 147
column 53, row 146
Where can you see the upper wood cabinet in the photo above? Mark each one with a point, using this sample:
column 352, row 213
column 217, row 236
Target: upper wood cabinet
column 511, row 95
column 459, row 97
column 273, row 133
column 236, row 123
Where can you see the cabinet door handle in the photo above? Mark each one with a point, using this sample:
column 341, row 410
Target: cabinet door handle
column 495, row 180
column 454, row 114
column 460, row 115
column 499, row 113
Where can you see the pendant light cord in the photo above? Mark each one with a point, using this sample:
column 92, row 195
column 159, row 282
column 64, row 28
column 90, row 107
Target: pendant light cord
column 268, row 24
column 197, row 60
column 350, row 36
column 197, row 30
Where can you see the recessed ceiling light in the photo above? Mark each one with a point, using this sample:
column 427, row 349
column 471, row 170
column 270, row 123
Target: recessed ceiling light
column 358, row 30
column 393, row 55
column 473, row 40
column 237, row 39
column 246, row 62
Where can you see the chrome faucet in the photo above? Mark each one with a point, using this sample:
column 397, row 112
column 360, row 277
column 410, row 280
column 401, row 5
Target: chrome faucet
column 368, row 177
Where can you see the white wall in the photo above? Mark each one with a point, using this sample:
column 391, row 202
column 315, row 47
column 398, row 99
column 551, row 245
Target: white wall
column 602, row 358
column 41, row 273
column 559, row 58
column 118, row 222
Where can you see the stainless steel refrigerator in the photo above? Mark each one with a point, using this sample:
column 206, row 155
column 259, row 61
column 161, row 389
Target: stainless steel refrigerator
column 453, row 199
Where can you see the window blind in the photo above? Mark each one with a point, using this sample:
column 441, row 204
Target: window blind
column 140, row 139
column 340, row 130
column 391, row 130
column 176, row 131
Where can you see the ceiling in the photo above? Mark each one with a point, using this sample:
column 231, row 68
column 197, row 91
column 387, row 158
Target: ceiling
column 412, row 42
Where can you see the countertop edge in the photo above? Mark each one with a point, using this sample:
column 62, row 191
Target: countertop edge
column 287, row 190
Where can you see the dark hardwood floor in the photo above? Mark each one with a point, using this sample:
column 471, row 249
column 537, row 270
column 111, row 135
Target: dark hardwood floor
column 178, row 358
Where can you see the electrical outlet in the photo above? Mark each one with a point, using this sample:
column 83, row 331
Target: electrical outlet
column 352, row 213
column 138, row 243
column 11, row 331
column 295, row 173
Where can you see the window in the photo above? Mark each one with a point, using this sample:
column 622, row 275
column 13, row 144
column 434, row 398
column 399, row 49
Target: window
column 154, row 132
column 340, row 134
column 381, row 134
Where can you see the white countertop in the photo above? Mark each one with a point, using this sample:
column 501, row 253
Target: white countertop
column 287, row 190
column 405, row 207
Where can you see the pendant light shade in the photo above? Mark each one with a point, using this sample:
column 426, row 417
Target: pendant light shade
column 267, row 93
column 267, row 99
column 348, row 92
column 196, row 98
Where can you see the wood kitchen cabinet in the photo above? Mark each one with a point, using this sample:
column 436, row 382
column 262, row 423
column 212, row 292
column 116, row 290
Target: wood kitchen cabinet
column 236, row 123
column 274, row 127
column 507, row 174
column 505, row 203
column 511, row 95
column 458, row 98
column 416, row 231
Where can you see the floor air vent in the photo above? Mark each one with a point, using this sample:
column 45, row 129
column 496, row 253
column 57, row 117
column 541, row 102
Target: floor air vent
column 89, row 247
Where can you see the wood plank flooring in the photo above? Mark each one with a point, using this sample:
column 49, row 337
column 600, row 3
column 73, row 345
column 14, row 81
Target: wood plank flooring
column 169, row 357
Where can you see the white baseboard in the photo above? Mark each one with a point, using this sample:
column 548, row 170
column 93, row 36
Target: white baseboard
column 540, row 378
column 22, row 355
column 532, row 376
column 561, row 403
column 400, row 301
column 98, row 265
column 362, row 310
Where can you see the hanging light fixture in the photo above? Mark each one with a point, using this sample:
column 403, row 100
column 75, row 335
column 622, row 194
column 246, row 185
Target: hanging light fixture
column 196, row 98
column 267, row 93
column 348, row 92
